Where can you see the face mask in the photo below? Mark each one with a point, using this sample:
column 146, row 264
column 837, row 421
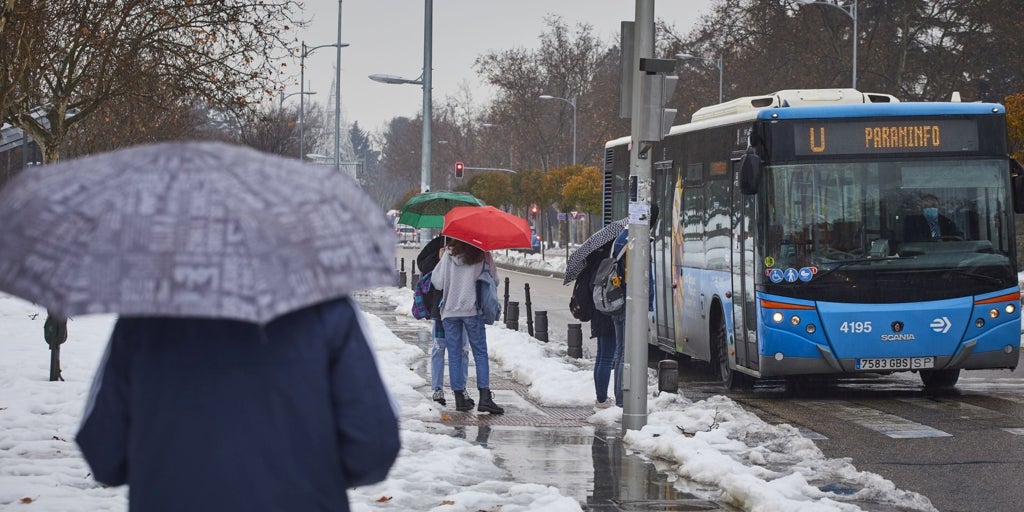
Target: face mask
column 931, row 213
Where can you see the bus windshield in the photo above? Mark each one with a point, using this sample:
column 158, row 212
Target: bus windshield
column 887, row 231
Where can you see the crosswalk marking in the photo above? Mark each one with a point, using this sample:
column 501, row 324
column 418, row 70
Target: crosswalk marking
column 1015, row 431
column 955, row 408
column 873, row 419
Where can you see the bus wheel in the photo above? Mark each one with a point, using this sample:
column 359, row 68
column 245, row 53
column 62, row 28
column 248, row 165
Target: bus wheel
column 720, row 356
column 939, row 379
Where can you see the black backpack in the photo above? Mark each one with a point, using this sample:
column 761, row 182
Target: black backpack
column 581, row 305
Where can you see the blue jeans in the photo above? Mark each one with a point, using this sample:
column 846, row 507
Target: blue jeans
column 473, row 326
column 437, row 351
column 603, row 365
column 620, row 344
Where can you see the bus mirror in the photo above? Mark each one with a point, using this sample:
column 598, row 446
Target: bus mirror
column 1017, row 185
column 750, row 172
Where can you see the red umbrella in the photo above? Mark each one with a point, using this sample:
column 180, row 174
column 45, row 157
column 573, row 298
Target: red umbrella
column 487, row 228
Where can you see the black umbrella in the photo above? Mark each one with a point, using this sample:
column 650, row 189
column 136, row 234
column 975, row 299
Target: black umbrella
column 195, row 229
column 578, row 259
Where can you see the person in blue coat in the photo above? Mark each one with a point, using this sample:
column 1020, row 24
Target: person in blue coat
column 619, row 319
column 216, row 415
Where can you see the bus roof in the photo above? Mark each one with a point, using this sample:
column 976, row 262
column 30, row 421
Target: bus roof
column 816, row 103
column 882, row 110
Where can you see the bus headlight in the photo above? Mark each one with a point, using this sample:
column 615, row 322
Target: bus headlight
column 993, row 313
column 811, row 329
column 1010, row 308
column 795, row 320
column 979, row 322
column 777, row 317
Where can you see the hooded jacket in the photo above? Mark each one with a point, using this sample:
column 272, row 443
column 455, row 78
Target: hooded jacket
column 457, row 280
column 216, row 415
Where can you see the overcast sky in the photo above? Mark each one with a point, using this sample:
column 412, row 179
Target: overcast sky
column 386, row 36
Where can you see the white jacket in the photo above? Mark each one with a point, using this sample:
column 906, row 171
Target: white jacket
column 458, row 282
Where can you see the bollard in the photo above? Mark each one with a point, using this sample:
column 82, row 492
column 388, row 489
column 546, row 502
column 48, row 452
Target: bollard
column 529, row 316
column 542, row 326
column 575, row 341
column 401, row 279
column 505, row 304
column 414, row 280
column 512, row 316
column 55, row 332
column 668, row 375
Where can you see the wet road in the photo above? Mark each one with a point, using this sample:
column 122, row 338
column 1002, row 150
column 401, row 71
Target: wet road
column 962, row 449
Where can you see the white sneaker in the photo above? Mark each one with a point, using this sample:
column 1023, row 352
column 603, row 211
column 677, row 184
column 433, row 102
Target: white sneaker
column 603, row 405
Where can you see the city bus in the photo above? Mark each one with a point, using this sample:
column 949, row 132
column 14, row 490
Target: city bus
column 783, row 247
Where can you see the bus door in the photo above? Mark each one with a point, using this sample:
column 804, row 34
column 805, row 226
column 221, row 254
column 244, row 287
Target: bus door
column 743, row 265
column 661, row 254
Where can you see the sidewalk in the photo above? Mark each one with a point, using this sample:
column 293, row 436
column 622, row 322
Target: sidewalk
column 546, row 445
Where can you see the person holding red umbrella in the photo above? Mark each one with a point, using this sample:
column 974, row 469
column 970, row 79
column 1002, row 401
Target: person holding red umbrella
column 456, row 275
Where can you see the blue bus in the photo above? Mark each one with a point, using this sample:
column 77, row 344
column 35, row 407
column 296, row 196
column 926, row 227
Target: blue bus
column 786, row 244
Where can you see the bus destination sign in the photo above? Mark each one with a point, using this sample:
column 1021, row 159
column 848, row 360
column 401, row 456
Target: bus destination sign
column 857, row 137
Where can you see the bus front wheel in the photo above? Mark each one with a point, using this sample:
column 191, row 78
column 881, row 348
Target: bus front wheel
column 731, row 379
column 940, row 379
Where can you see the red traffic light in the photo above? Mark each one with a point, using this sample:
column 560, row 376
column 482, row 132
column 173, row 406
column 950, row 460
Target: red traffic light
column 459, row 169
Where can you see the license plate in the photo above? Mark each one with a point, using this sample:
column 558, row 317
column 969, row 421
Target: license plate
column 896, row 363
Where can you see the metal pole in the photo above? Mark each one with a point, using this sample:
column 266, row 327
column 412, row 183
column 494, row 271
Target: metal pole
column 337, row 99
column 428, row 23
column 634, row 381
column 574, row 130
column 720, row 78
column 853, row 14
column 302, row 101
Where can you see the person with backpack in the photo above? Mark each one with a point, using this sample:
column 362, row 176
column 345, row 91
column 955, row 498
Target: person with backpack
column 619, row 247
column 456, row 275
column 427, row 259
column 602, row 328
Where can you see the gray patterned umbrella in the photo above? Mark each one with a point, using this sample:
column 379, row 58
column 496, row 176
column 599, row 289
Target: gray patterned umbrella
column 578, row 259
column 196, row 229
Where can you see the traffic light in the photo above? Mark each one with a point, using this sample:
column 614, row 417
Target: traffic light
column 656, row 88
column 459, row 169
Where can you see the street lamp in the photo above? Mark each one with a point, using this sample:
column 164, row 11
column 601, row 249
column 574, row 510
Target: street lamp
column 718, row 65
column 425, row 81
column 571, row 101
column 305, row 51
column 851, row 11
column 284, row 96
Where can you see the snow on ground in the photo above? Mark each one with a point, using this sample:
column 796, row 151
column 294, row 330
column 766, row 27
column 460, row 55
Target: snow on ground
column 715, row 442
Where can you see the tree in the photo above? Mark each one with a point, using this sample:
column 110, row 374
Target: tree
column 85, row 54
column 493, row 188
column 583, row 191
column 1015, row 125
column 566, row 65
column 916, row 50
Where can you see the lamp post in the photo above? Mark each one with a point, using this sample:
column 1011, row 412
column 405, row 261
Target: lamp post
column 284, row 96
column 851, row 11
column 718, row 65
column 425, row 81
column 571, row 101
column 304, row 52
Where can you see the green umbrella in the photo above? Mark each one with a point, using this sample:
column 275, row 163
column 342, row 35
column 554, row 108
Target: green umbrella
column 427, row 210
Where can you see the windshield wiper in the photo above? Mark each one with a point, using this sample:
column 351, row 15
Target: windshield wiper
column 844, row 263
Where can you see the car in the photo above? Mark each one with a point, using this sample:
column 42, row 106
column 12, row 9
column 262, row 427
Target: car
column 407, row 234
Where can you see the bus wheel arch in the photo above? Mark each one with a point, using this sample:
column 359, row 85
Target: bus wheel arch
column 719, row 341
column 940, row 379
